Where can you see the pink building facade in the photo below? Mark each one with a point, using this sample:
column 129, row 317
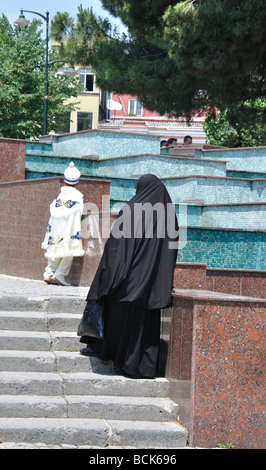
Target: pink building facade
column 127, row 112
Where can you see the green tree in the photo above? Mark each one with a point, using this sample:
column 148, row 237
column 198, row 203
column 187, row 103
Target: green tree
column 242, row 125
column 178, row 55
column 22, row 75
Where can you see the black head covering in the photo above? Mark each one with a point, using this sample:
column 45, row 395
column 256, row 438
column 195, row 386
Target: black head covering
column 138, row 261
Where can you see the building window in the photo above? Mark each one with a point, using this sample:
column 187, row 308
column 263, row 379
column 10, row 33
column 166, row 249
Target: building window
column 65, row 128
column 85, row 121
column 87, row 79
column 135, row 107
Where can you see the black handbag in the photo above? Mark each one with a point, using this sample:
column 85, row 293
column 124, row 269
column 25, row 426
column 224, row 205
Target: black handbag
column 92, row 323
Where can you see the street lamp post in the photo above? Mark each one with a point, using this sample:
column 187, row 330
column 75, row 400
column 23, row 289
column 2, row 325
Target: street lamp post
column 21, row 21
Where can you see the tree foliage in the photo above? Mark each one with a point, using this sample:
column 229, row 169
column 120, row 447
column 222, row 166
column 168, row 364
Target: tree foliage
column 239, row 126
column 178, row 55
column 22, row 76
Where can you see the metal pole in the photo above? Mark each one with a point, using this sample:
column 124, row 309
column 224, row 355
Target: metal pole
column 46, row 83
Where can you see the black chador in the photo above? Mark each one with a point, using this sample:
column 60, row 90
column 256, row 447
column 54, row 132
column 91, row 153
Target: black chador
column 134, row 280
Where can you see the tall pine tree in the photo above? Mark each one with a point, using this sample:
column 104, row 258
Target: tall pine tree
column 178, row 55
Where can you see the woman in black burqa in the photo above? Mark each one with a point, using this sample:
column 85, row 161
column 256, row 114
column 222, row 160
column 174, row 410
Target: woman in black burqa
column 134, row 280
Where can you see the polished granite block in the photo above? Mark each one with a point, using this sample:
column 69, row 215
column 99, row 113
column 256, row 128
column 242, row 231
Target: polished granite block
column 249, row 283
column 215, row 367
column 12, row 157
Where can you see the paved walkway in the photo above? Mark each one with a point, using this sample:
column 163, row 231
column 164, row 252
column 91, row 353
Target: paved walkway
column 18, row 286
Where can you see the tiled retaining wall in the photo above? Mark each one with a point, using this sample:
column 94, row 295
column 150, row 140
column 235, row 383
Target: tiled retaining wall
column 222, row 232
column 216, row 190
column 24, row 212
column 231, row 249
column 207, row 189
column 223, row 248
column 245, row 216
column 95, row 142
column 219, row 247
column 129, row 165
column 12, row 158
column 240, row 159
column 249, row 215
column 215, row 367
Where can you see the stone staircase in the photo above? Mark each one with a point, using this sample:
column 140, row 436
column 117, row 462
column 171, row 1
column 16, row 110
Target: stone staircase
column 51, row 394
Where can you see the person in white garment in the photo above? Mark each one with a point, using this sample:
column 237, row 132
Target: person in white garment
column 63, row 240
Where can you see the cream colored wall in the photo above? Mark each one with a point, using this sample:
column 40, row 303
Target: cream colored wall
column 89, row 103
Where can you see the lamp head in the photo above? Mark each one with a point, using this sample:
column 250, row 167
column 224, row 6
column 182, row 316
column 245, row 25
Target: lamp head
column 21, row 21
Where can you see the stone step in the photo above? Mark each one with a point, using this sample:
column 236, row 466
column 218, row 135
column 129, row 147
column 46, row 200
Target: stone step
column 41, row 321
column 50, row 304
column 32, row 406
column 31, row 383
column 65, row 340
column 48, row 361
column 27, row 361
column 50, row 393
column 80, row 383
column 65, row 361
column 39, row 341
column 121, row 408
column 94, row 432
column 92, row 407
column 25, row 340
column 31, row 321
column 75, row 362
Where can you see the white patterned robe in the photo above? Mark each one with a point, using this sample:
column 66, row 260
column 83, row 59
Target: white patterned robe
column 63, row 235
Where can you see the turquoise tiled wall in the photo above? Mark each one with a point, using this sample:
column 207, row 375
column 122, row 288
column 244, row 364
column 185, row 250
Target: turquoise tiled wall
column 125, row 167
column 102, row 143
column 214, row 190
column 243, row 217
column 236, row 216
column 158, row 165
column 226, row 208
column 225, row 249
column 209, row 190
column 56, row 165
column 244, row 174
column 242, row 159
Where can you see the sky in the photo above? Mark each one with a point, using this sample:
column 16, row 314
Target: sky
column 12, row 8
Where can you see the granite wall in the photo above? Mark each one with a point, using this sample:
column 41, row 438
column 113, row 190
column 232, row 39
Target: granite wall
column 24, row 212
column 12, row 157
column 250, row 283
column 215, row 367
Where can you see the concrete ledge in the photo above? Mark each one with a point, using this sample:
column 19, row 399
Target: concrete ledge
column 206, row 295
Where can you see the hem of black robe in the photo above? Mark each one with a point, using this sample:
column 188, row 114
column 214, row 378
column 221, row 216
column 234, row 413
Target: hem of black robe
column 137, row 341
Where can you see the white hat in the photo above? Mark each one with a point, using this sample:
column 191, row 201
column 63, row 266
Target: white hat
column 72, row 174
